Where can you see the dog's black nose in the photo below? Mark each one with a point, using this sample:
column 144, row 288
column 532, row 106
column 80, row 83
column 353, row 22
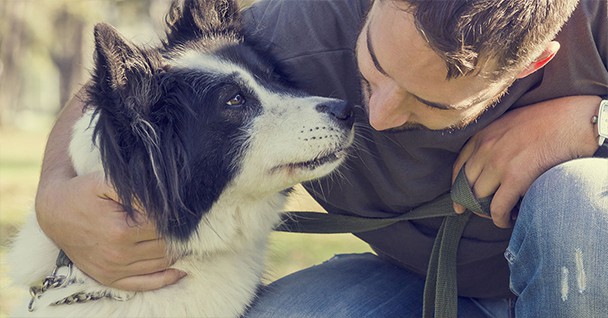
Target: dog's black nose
column 341, row 111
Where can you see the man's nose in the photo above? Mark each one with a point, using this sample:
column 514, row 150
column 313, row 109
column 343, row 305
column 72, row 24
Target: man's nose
column 387, row 109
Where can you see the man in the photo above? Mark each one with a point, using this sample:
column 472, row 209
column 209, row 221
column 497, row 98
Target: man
column 446, row 85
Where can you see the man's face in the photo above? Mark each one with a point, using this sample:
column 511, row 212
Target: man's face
column 404, row 80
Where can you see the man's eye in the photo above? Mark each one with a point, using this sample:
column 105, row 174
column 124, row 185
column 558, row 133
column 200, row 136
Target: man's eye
column 236, row 100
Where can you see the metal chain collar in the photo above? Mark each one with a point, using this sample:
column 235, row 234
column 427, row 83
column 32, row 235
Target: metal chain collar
column 56, row 281
column 82, row 297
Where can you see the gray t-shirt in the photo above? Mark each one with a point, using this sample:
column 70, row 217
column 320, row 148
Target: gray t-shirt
column 392, row 172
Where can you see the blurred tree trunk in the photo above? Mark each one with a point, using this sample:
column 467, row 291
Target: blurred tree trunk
column 12, row 29
column 67, row 52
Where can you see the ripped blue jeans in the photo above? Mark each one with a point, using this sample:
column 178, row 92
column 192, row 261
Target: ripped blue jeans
column 558, row 255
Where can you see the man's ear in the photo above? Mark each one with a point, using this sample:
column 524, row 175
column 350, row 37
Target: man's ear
column 541, row 60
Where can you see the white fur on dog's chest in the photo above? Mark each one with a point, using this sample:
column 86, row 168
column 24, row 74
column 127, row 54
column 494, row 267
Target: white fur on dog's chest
column 221, row 279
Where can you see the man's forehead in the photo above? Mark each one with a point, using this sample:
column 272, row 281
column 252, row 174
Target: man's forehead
column 400, row 50
column 394, row 35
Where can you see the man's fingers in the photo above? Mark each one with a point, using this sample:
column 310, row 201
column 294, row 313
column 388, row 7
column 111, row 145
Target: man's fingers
column 109, row 274
column 139, row 230
column 155, row 248
column 502, row 205
column 143, row 251
column 459, row 209
column 99, row 185
column 463, row 157
column 486, row 183
column 145, row 267
column 106, row 191
column 483, row 185
column 150, row 281
column 106, row 188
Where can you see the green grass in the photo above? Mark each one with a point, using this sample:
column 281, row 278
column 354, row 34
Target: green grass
column 20, row 159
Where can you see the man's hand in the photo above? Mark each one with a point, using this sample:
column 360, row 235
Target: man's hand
column 93, row 230
column 80, row 215
column 508, row 155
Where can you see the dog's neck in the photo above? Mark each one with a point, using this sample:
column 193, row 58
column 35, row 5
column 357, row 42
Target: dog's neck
column 233, row 224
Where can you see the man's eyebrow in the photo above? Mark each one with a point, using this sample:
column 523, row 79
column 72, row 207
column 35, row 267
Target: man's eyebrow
column 370, row 49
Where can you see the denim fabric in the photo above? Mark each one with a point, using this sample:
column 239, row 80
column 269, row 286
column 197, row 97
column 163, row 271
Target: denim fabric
column 357, row 285
column 558, row 255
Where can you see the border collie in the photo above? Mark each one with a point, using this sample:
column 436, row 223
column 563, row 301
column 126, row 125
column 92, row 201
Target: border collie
column 203, row 135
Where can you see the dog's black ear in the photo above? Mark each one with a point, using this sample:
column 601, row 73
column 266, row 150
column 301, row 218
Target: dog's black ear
column 125, row 91
column 195, row 19
column 122, row 69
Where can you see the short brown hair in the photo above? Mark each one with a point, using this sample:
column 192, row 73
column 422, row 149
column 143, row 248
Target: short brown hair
column 508, row 33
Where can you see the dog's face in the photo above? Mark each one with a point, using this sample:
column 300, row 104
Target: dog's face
column 178, row 126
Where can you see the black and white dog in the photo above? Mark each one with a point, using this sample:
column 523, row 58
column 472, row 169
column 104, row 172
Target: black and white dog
column 204, row 136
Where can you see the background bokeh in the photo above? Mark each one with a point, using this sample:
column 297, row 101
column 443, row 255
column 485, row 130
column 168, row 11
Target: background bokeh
column 46, row 49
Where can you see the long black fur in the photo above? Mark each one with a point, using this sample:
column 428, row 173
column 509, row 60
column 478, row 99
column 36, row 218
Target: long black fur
column 167, row 147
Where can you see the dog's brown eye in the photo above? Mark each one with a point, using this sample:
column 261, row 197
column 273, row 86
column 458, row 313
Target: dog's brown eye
column 236, row 100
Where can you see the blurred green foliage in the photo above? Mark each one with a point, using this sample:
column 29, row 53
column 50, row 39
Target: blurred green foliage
column 46, row 48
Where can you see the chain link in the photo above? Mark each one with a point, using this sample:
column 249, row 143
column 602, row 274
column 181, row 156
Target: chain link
column 81, row 297
column 55, row 281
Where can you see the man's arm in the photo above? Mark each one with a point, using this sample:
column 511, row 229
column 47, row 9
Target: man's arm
column 508, row 155
column 80, row 215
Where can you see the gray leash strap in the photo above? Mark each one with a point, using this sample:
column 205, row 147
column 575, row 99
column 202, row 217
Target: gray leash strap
column 441, row 284
column 440, row 290
column 324, row 223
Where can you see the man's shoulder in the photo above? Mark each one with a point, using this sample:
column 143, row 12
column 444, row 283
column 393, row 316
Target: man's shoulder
column 586, row 32
column 579, row 67
column 309, row 9
column 592, row 14
column 296, row 27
